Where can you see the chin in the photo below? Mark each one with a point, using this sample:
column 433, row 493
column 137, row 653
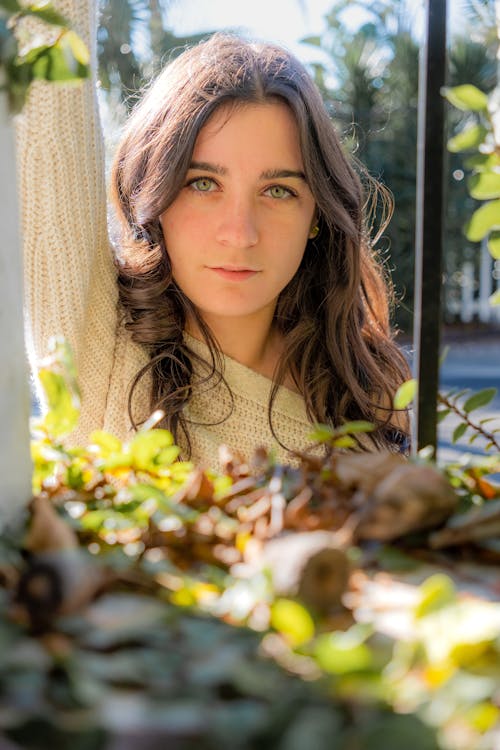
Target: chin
column 231, row 311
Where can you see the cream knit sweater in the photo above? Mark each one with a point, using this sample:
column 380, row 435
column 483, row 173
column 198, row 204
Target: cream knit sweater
column 70, row 280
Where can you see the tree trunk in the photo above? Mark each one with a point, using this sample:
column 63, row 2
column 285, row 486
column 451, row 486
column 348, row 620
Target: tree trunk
column 15, row 463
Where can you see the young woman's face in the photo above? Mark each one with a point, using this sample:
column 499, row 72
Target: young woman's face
column 237, row 231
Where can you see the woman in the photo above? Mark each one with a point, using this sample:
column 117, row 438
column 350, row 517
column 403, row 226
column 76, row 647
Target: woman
column 250, row 301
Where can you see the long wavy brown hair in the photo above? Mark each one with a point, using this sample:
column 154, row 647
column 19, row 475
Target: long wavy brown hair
column 333, row 314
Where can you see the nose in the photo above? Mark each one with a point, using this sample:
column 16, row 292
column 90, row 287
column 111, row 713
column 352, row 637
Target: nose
column 238, row 225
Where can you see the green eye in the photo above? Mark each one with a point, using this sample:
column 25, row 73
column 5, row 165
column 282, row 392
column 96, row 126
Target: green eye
column 278, row 191
column 202, row 184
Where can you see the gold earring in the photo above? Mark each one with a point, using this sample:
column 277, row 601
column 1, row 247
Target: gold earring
column 314, row 232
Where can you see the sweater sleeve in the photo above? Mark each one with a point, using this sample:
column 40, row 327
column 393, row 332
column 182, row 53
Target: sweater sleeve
column 69, row 276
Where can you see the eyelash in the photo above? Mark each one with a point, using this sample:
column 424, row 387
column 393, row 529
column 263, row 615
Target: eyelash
column 289, row 192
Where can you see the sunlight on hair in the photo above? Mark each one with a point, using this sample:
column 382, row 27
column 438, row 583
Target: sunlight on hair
column 153, row 420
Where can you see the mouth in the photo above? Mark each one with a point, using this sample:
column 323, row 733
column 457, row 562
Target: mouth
column 233, row 273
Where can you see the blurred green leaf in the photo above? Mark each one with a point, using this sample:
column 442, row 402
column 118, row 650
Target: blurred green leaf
column 494, row 244
column 335, row 435
column 46, row 12
column 468, row 98
column 74, row 477
column 63, row 406
column 459, row 431
column 485, row 185
column 12, row 6
column 344, row 441
column 144, row 493
column 315, row 41
column 58, row 62
column 482, row 162
column 322, row 433
column 469, row 138
column 153, row 449
column 483, row 220
column 344, row 652
column 436, row 592
column 495, row 298
column 442, row 414
column 78, row 48
column 107, row 443
column 405, row 394
column 354, row 427
column 110, row 520
column 481, row 398
column 292, row 620
column 457, row 394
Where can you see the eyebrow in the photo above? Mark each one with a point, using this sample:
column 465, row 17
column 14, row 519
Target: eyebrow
column 269, row 174
column 278, row 174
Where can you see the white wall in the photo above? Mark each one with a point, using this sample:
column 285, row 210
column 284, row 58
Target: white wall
column 15, row 464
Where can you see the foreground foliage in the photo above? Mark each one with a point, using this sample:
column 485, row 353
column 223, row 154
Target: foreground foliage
column 24, row 59
column 479, row 137
column 147, row 601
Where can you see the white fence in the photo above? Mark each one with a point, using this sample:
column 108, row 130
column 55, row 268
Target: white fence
column 473, row 301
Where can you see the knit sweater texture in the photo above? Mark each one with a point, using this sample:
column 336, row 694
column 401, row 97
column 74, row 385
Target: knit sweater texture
column 71, row 290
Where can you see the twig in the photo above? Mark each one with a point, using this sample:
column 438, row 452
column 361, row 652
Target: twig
column 465, row 418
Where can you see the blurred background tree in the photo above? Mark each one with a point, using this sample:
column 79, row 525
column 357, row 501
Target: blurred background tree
column 368, row 77
column 370, row 84
column 133, row 44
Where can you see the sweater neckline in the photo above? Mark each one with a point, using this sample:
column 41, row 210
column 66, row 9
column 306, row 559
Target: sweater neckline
column 244, row 381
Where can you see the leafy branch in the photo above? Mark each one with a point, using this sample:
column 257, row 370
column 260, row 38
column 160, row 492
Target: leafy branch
column 450, row 402
column 476, row 401
column 480, row 134
column 23, row 59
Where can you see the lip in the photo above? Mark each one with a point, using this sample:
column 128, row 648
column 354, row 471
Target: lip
column 233, row 274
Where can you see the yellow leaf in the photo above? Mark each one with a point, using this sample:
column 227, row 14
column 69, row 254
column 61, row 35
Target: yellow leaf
column 293, row 621
column 183, row 598
column 469, row 654
column 439, row 673
column 483, row 716
column 241, row 541
column 204, row 592
column 78, row 47
column 437, row 592
column 405, row 394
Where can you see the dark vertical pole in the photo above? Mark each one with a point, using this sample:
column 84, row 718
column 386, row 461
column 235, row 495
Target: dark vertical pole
column 429, row 229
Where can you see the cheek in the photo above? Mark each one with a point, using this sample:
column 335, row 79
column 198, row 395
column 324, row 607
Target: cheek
column 286, row 268
column 183, row 228
column 170, row 223
column 297, row 252
column 174, row 235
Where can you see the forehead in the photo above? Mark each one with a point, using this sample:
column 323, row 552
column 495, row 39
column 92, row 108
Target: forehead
column 267, row 128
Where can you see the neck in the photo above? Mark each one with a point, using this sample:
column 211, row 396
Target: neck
column 246, row 340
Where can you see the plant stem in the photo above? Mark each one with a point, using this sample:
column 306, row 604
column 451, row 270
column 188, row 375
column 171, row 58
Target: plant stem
column 465, row 418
